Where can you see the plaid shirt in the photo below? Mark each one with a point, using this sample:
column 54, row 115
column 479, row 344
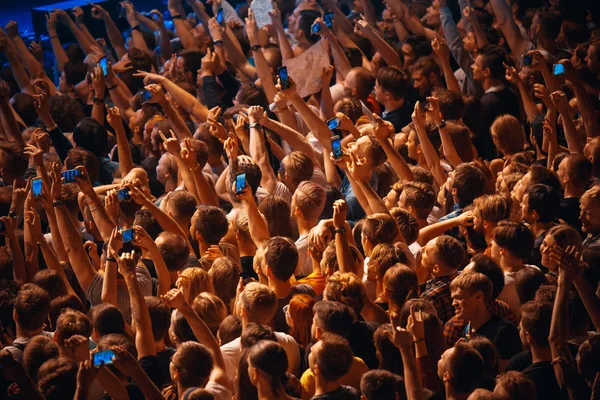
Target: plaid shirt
column 437, row 292
column 454, row 329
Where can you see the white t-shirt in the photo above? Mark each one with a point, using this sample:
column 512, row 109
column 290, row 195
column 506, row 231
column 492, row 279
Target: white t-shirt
column 219, row 391
column 304, row 267
column 509, row 293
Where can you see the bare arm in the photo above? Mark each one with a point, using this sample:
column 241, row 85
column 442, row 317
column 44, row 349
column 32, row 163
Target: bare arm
column 17, row 68
column 431, row 231
column 259, row 231
column 59, row 53
column 387, row 52
column 258, row 150
column 449, row 150
column 11, row 128
column 284, row 44
column 342, row 247
column 262, row 67
column 509, row 28
column 144, row 240
column 573, row 139
column 81, row 39
column 181, row 29
column 531, row 109
column 584, row 101
column 441, row 50
column 114, row 35
column 431, row 156
column 399, row 165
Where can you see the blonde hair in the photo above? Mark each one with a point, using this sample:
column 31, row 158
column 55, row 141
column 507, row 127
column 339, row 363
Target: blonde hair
column 211, row 310
column 199, row 282
column 473, row 282
column 348, row 289
column 259, row 302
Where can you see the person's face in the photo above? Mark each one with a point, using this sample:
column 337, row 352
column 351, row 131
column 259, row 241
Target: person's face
column 469, row 42
column 379, row 93
column 496, row 252
column 421, row 83
column 442, row 366
column 428, row 255
column 63, row 87
column 519, row 190
column 162, row 170
column 477, row 68
column 409, row 55
column 593, row 60
column 360, row 148
column 562, row 172
column 386, row 25
column 547, row 244
column 525, row 213
column 523, row 336
column 412, row 145
column 478, row 221
column 463, row 303
column 589, row 215
column 312, row 362
column 350, row 85
column 432, row 17
column 391, row 200
column 402, row 201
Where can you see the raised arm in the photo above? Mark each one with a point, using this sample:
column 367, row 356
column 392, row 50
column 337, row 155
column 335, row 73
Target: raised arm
column 259, row 231
column 79, row 21
column 442, row 52
column 136, row 31
column 342, row 247
column 561, row 102
column 81, row 39
column 19, row 268
column 531, row 109
column 262, row 67
column 102, row 219
column 11, row 128
column 382, row 134
column 389, row 55
column 142, row 239
column 60, row 55
column 258, row 150
column 431, row 231
column 32, row 65
column 125, row 158
column 430, row 153
column 584, row 101
column 181, row 28
column 17, row 68
column 518, row 45
column 449, row 150
column 403, row 340
column 114, row 35
column 166, row 50
column 206, row 193
column 284, row 44
column 109, row 283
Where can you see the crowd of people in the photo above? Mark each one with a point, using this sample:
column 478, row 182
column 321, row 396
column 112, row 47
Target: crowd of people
column 181, row 219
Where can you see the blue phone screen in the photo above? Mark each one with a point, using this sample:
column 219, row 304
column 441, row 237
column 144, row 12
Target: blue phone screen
column 316, row 28
column 103, row 357
column 240, row 183
column 69, row 175
column 328, row 19
column 104, row 65
column 36, row 187
column 333, row 123
column 220, row 19
column 123, row 195
column 336, row 147
column 127, row 235
column 559, row 69
column 284, row 78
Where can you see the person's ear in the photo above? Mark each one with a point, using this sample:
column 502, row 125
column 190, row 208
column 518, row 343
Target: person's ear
column 454, row 191
column 535, row 215
column 436, row 269
column 446, row 376
column 410, row 209
column 485, row 224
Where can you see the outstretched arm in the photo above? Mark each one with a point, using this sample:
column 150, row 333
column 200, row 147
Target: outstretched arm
column 114, row 35
column 518, row 45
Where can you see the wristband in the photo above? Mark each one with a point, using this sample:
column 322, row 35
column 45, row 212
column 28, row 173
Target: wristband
column 110, row 259
column 255, row 125
column 58, row 203
column 136, row 28
column 342, row 230
column 442, row 125
column 217, row 43
column 13, row 214
column 176, row 17
column 419, row 340
column 97, row 100
column 112, row 87
column 256, row 47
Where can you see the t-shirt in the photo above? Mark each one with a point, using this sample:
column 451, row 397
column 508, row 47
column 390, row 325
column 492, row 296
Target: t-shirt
column 352, row 378
column 509, row 294
column 503, row 334
column 495, row 102
column 400, row 117
column 361, row 342
column 546, row 386
column 279, row 323
column 342, row 393
column 164, row 361
column 569, row 212
column 304, row 267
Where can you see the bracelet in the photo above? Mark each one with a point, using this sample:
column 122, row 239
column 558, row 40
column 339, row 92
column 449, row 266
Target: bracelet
column 255, row 125
column 93, row 209
column 419, row 340
column 58, row 203
column 110, row 259
column 217, row 43
column 176, row 17
column 136, row 28
column 256, row 47
column 442, row 125
column 342, row 230
column 53, row 37
column 112, row 87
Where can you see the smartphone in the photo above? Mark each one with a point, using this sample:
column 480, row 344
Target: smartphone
column 105, row 357
column 145, row 96
column 336, row 146
column 526, row 60
column 104, row 65
column 558, row 69
column 333, row 123
column 240, row 182
column 123, row 195
column 425, row 106
column 220, row 17
column 328, row 19
column 284, row 78
column 127, row 235
column 316, row 28
column 36, row 187
column 69, row 175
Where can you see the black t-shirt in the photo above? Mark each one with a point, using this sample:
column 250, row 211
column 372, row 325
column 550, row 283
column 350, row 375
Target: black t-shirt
column 569, row 212
column 400, row 117
column 248, row 267
column 164, row 359
column 546, row 386
column 361, row 341
column 342, row 393
column 495, row 103
column 503, row 334
column 520, row 361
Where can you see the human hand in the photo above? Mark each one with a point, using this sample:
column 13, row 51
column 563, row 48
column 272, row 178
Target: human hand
column 158, row 94
column 32, row 219
column 124, row 361
column 174, row 298
column 440, row 48
column 62, row 16
column 568, row 261
column 150, row 77
column 213, row 252
column 114, row 118
column 541, row 92
column 111, row 204
column 469, row 14
column 275, row 15
column 340, row 212
column 418, row 117
column 570, row 73
column 51, row 23
column 9, row 229
column 231, row 148
column 215, row 29
column 320, row 236
column 98, row 12
column 138, row 195
column 252, row 28
column 12, row 29
column 94, row 56
column 382, row 130
column 209, row 63
column 98, row 82
column 115, row 243
column 159, row 17
column 323, row 29
column 36, row 155
column 241, row 129
column 415, row 325
column 466, row 219
column 401, row 338
column 290, row 91
column 188, row 155
column 171, row 143
column 36, row 49
column 217, row 129
column 126, row 263
column 18, row 197
column 244, row 195
column 539, row 61
column 435, row 111
column 512, row 75
column 142, row 238
column 86, row 374
column 130, row 13
column 56, row 179
column 561, row 102
column 362, row 28
column 91, row 249
column 83, row 181
column 255, row 114
column 78, row 15
column 42, row 106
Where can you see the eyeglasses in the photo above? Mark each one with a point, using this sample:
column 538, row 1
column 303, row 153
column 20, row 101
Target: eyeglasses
column 286, row 310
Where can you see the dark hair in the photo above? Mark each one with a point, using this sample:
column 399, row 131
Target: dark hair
column 174, row 250
column 427, row 66
column 381, row 384
column 452, row 105
column 230, row 329
column 539, row 174
column 277, row 212
column 407, row 224
column 71, row 322
column 514, row 237
column 270, row 357
column 252, row 95
column 182, row 204
column 488, row 267
column 466, row 368
column 550, row 21
column 469, row 183
column 75, row 72
column 545, row 200
column 51, row 282
column 78, row 156
column 160, row 317
column 91, row 135
column 487, row 350
column 515, row 385
column 579, row 168
column 305, row 22
column 211, row 223
column 40, row 349
column 399, row 282
column 146, row 220
column 255, row 333
column 57, row 379
column 182, row 329
column 334, row 317
column 393, row 80
column 365, row 82
column 23, row 104
column 389, row 356
column 194, row 363
column 420, row 45
column 334, row 358
column 15, row 159
column 493, row 57
column 66, row 112
column 589, row 358
column 536, row 318
column 527, row 282
column 107, row 319
column 450, row 251
column 31, row 306
column 281, row 256
column 332, row 194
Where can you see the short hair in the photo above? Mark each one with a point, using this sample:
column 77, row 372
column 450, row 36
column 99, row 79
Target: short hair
column 514, row 237
column 579, row 169
column 381, row 384
column 16, row 161
column 91, row 135
column 515, row 385
column 182, row 203
column 192, row 61
column 421, row 46
column 346, row 288
column 70, row 323
column 211, row 223
column 407, row 224
column 565, row 236
column 59, row 304
column 350, row 107
column 473, row 282
column 254, row 333
column 32, row 305
column 400, row 283
column 539, row 174
column 452, row 105
column 277, row 212
column 310, row 199
column 550, row 21
column 305, row 23
column 589, row 358
column 194, row 363
column 225, row 276
column 160, row 317
column 334, row 317
column 427, row 66
column 40, row 349
column 450, row 252
column 107, row 319
column 487, row 266
column 465, row 366
column 536, row 318
column 421, row 196
column 210, row 309
column 421, row 174
column 493, row 57
column 230, row 329
column 259, row 302
column 57, row 378
column 281, row 256
column 469, row 182
column 527, row 282
column 379, row 228
column 508, row 134
column 146, row 220
column 493, row 207
column 365, row 81
column 240, row 224
column 376, row 154
column 174, row 250
column 253, row 95
column 545, row 200
column 271, row 358
column 199, row 281
column 78, row 156
column 65, row 111
column 75, row 72
column 300, row 167
column 392, row 80
column 383, row 257
column 51, row 282
column 334, row 358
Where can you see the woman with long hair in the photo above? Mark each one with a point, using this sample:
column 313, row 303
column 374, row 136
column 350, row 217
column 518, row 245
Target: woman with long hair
column 267, row 366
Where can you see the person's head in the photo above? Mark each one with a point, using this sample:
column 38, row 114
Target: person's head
column 426, row 75
column 381, row 384
column 368, row 148
column 57, row 379
column 461, row 369
column 387, row 354
column 332, row 317
column 79, row 156
column 489, row 64
column 92, row 136
column 299, row 317
column 487, row 266
column 160, row 317
column 545, row 25
column 229, row 330
column 489, row 210
column 267, row 364
column 350, row 107
column 540, row 204
column 593, row 56
column 209, row 225
column 181, row 205
column 51, row 282
column 277, row 212
column 210, row 309
column 452, row 105
column 443, row 255
column 467, row 183
column 295, row 168
column 13, row 161
column 588, row 359
column 536, row 174
column 257, row 303
column 407, row 224
column 561, row 236
column 513, row 242
column 174, row 250
column 527, row 282
column 418, row 198
column 330, row 358
column 308, row 201
column 376, row 229
column 225, row 275
column 390, row 84
column 471, row 293
column 535, row 324
column 303, row 33
column 280, row 259
column 346, row 288
column 507, row 134
column 191, row 365
column 69, row 324
column 192, row 282
column 515, row 385
column 574, row 171
column 399, row 284
column 39, row 350
column 107, row 319
column 383, row 257
column 359, row 83
column 31, row 308
column 590, row 210
column 413, row 48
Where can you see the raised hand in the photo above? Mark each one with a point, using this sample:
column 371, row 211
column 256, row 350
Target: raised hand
column 231, row 148
column 415, row 325
column 382, row 129
column 255, row 113
column 213, row 252
column 560, row 101
column 188, row 155
column 252, row 28
column 215, row 112
column 114, row 118
column 142, row 238
column 115, row 243
column 12, row 29
column 512, row 75
column 466, row 219
column 126, row 263
column 86, row 374
column 245, row 195
column 98, row 12
column 402, row 338
column 36, row 49
column 158, row 94
column 78, row 15
column 340, row 211
column 440, row 48
column 171, row 144
column 149, row 77
column 36, row 155
column 435, row 112
column 92, row 251
column 124, row 361
column 83, row 181
column 215, row 29
column 111, row 204
column 62, row 16
column 275, row 15
column 18, row 196
column 51, row 23
column 209, row 63
column 35, row 226
column 541, row 92
column 174, row 298
column 56, row 178
column 418, row 117
column 98, row 82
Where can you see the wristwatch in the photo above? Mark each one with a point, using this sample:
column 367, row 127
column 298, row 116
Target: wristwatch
column 217, row 43
column 255, row 125
column 58, row 203
column 442, row 125
column 13, row 214
column 97, row 100
column 341, row 230
column 255, row 47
